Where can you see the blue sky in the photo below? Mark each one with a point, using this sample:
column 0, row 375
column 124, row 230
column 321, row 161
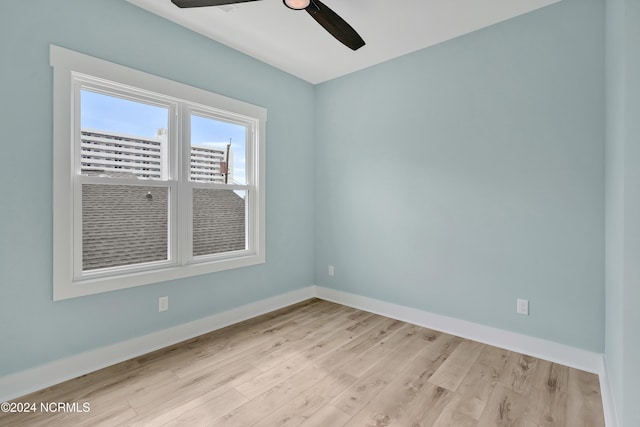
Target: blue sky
column 109, row 113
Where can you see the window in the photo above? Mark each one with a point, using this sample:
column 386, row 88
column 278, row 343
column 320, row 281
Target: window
column 153, row 180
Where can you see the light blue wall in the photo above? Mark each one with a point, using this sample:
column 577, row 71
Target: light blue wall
column 615, row 198
column 36, row 330
column 622, row 350
column 615, row 78
column 461, row 177
column 453, row 180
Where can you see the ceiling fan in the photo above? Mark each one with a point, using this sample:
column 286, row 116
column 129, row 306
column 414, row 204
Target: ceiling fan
column 327, row 18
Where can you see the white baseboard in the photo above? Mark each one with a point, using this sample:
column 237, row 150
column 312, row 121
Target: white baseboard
column 542, row 349
column 21, row 383
column 610, row 417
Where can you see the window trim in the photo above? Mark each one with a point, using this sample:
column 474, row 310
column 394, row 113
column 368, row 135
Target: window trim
column 68, row 68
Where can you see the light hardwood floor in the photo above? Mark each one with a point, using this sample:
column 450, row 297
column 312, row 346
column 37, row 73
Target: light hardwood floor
column 322, row 364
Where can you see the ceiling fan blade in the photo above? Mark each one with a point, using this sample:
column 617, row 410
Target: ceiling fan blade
column 336, row 26
column 202, row 3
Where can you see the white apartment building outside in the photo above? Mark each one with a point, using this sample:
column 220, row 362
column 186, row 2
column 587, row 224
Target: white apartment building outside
column 116, row 154
column 127, row 224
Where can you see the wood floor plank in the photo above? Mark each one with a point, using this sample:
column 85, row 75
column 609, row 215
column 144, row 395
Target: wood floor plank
column 377, row 376
column 185, row 389
column 201, row 410
column 424, row 409
column 451, row 373
column 234, row 346
column 303, row 406
column 409, row 392
column 359, row 344
column 290, row 347
column 264, row 381
column 584, row 402
column 215, row 341
column 318, row 363
column 387, row 344
column 548, row 397
column 274, row 398
column 506, row 407
column 519, row 372
column 250, row 350
column 479, row 383
column 328, row 415
column 460, row 412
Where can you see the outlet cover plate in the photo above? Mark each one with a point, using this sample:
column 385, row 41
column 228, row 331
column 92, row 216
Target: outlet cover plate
column 522, row 306
column 163, row 303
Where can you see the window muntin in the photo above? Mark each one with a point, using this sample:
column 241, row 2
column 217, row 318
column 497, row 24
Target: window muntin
column 149, row 175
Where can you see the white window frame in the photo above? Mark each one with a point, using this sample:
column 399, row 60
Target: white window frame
column 72, row 71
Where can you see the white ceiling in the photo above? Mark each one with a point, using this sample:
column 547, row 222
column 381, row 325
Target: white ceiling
column 293, row 42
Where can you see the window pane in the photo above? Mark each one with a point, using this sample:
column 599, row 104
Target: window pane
column 123, row 225
column 218, row 151
column 218, row 221
column 123, row 138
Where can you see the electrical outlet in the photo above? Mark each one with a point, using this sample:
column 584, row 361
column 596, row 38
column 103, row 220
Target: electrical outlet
column 163, row 303
column 522, row 306
column 331, row 270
